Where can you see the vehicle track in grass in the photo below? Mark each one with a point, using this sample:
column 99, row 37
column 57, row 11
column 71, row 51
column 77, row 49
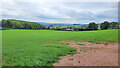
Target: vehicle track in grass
column 90, row 54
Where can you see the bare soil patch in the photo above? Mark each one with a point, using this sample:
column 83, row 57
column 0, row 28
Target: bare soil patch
column 90, row 54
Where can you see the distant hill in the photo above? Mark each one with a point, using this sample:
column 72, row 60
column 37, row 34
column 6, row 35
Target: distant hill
column 44, row 23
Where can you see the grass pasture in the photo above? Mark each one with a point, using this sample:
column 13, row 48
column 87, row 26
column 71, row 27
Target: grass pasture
column 42, row 47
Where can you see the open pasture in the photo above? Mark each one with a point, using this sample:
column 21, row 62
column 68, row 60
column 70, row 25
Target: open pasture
column 42, row 47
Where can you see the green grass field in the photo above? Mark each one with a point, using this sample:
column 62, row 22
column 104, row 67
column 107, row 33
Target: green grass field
column 42, row 47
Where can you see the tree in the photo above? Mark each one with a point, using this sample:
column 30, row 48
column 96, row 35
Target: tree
column 17, row 25
column 92, row 26
column 114, row 25
column 104, row 25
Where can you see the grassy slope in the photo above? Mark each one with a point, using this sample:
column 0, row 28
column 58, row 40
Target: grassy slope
column 41, row 47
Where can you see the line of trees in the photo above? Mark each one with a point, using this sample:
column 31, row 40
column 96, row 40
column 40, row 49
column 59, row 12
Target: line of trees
column 91, row 26
column 107, row 25
column 18, row 24
column 103, row 26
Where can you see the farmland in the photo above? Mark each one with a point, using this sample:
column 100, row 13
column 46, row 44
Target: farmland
column 42, row 47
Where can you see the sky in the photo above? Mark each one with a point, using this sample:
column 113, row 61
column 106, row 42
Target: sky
column 60, row 12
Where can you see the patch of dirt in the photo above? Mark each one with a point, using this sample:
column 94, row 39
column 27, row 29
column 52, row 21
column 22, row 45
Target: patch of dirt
column 89, row 54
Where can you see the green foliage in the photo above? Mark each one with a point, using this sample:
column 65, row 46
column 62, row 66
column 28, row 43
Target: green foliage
column 81, row 44
column 106, row 44
column 72, row 27
column 93, row 26
column 105, row 25
column 18, row 24
column 114, row 25
column 109, row 25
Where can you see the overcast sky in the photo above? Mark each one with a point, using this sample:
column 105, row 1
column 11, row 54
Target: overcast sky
column 61, row 12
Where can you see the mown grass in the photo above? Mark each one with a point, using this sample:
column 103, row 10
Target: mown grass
column 41, row 47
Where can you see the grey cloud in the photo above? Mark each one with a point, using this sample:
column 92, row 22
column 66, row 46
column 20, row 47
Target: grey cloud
column 61, row 12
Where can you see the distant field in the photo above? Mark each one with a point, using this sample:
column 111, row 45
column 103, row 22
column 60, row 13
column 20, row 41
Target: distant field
column 42, row 47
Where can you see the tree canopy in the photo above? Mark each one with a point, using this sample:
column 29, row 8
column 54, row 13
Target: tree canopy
column 92, row 26
column 104, row 25
column 114, row 25
column 18, row 24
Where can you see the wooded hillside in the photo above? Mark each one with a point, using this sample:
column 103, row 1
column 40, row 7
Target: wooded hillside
column 19, row 24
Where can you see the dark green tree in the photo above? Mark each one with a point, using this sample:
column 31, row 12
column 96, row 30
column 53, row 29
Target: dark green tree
column 104, row 25
column 114, row 25
column 92, row 26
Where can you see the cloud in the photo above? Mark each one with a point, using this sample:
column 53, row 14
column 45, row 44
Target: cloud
column 60, row 0
column 60, row 12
